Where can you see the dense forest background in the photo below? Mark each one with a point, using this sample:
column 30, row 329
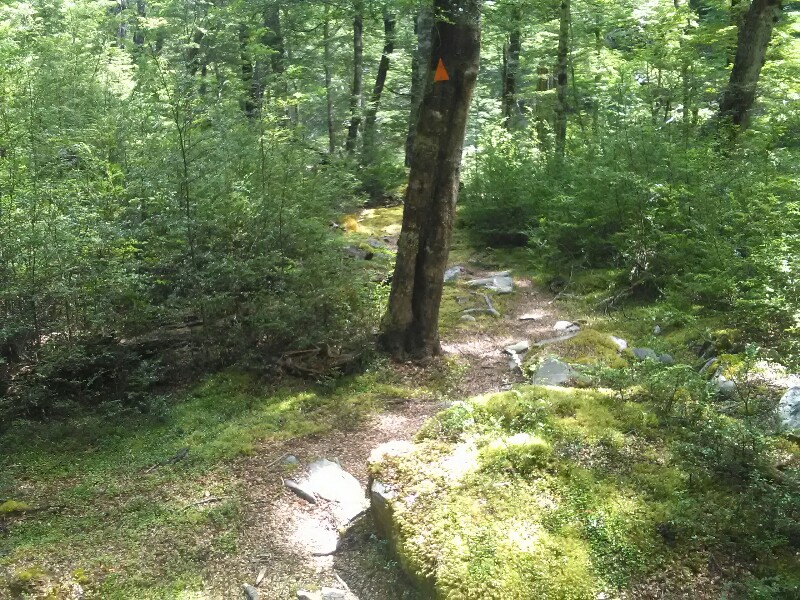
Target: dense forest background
column 172, row 170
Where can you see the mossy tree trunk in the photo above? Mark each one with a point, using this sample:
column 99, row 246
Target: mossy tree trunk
column 755, row 32
column 410, row 327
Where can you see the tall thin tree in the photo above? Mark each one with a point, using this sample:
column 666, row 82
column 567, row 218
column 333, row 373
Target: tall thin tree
column 356, row 93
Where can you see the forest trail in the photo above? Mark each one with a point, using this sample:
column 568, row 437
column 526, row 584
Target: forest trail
column 285, row 534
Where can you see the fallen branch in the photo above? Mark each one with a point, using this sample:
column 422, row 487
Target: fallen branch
column 492, row 310
column 208, row 500
column 284, row 455
column 182, row 453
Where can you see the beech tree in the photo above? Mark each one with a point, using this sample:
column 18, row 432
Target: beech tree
column 410, row 327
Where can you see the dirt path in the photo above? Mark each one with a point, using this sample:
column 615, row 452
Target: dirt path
column 283, row 533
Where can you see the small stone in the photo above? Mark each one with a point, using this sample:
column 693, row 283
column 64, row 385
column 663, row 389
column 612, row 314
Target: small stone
column 725, row 386
column 644, row 353
column 250, row 592
column 375, row 243
column 290, row 461
column 619, row 343
column 452, row 273
column 306, row 595
column 502, row 283
column 566, row 326
column 657, row 330
column 667, row 359
column 518, row 348
column 536, row 315
column 333, row 594
column 468, row 318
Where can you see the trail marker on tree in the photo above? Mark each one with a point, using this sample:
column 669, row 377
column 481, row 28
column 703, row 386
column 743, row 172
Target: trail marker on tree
column 441, row 72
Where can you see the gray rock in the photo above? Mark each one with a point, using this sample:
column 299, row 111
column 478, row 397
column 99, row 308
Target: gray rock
column 518, row 348
column 789, row 409
column 250, row 592
column 372, row 242
column 566, row 327
column 536, row 315
column 467, row 318
column 330, row 481
column 452, row 273
column 667, row 359
column 724, row 386
column 290, row 461
column 657, row 330
column 333, row 594
column 306, row 595
column 502, row 283
column 552, row 371
column 619, row 343
column 644, row 353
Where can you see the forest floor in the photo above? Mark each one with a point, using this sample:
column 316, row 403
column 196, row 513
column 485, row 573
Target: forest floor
column 112, row 517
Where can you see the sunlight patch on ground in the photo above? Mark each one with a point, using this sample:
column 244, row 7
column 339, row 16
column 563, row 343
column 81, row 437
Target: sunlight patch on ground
column 314, row 535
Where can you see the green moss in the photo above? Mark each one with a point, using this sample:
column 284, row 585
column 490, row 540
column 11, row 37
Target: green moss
column 520, row 453
column 379, row 222
column 591, row 347
column 10, row 507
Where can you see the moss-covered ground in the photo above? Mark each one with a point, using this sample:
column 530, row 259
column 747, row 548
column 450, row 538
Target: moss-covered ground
column 576, row 495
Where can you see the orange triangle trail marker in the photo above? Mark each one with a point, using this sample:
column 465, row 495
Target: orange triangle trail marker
column 441, row 72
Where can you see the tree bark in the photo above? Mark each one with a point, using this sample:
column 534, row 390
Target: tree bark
column 423, row 26
column 511, row 52
column 755, row 32
column 371, row 114
column 410, row 328
column 328, row 90
column 561, row 78
column 358, row 75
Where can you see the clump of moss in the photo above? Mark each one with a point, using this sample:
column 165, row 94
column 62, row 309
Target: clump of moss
column 11, row 507
column 520, row 453
column 25, row 581
column 591, row 347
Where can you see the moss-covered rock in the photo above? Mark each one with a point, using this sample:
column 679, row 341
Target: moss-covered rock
column 501, row 497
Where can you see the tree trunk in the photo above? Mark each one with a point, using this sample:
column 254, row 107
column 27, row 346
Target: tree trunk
column 423, row 26
column 358, row 74
column 543, row 84
column 371, row 114
column 511, row 52
column 328, row 90
column 410, row 327
column 755, row 32
column 561, row 79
